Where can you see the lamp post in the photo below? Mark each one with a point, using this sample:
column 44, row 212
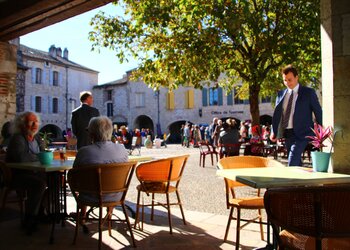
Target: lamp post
column 159, row 130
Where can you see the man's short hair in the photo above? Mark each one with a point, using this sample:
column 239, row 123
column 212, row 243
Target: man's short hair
column 84, row 95
column 289, row 68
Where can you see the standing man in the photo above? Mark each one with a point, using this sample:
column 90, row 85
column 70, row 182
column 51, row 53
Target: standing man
column 292, row 118
column 81, row 117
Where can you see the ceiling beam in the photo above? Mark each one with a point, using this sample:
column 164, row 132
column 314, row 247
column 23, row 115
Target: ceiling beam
column 22, row 18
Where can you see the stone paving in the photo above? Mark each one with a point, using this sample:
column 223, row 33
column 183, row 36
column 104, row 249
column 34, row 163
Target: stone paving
column 203, row 196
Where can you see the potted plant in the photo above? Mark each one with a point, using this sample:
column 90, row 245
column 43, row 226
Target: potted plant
column 320, row 159
column 45, row 156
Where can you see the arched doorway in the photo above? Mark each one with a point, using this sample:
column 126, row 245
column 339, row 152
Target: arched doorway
column 265, row 120
column 174, row 130
column 56, row 132
column 143, row 121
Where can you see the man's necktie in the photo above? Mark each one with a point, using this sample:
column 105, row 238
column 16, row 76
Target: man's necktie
column 286, row 115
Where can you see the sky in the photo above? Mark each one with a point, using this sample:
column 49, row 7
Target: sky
column 73, row 35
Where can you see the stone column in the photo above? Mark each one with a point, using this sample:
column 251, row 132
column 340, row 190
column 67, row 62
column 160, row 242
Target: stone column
column 8, row 70
column 335, row 43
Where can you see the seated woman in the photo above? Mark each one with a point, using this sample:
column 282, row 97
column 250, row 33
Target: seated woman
column 229, row 135
column 256, row 142
column 101, row 151
column 24, row 146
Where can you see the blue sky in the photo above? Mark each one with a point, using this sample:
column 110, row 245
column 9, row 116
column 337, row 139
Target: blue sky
column 73, row 35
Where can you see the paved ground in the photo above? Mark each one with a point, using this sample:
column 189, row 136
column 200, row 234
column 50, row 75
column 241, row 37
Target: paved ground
column 203, row 196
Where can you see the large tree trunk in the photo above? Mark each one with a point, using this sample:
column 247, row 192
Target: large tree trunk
column 254, row 90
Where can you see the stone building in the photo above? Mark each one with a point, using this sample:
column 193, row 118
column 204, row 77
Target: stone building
column 138, row 106
column 49, row 84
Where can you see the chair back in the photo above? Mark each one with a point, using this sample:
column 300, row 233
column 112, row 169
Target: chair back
column 243, row 162
column 229, row 149
column 205, row 147
column 320, row 212
column 165, row 170
column 101, row 179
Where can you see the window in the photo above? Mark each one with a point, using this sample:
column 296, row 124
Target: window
column 55, row 78
column 237, row 99
column 109, row 95
column 110, row 109
column 215, row 96
column 204, row 97
column 38, row 73
column 38, row 104
column 139, row 99
column 230, row 99
column 55, row 105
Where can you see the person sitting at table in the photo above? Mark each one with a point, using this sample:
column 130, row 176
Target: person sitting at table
column 229, row 135
column 101, row 151
column 256, row 142
column 24, row 145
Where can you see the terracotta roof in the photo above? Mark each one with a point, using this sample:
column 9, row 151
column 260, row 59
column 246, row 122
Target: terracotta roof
column 42, row 55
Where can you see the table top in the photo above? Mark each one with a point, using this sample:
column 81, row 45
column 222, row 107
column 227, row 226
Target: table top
column 56, row 165
column 282, row 177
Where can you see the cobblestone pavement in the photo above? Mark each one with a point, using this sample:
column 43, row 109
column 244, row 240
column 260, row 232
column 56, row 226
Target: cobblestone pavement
column 200, row 188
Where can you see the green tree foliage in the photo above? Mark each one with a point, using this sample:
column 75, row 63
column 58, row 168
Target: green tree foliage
column 191, row 42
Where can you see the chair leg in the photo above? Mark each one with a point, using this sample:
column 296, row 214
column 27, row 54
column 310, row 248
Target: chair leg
column 77, row 219
column 152, row 208
column 203, row 161
column 181, row 209
column 129, row 226
column 109, row 218
column 261, row 225
column 200, row 160
column 137, row 209
column 212, row 159
column 169, row 213
column 238, row 229
column 228, row 224
column 100, row 228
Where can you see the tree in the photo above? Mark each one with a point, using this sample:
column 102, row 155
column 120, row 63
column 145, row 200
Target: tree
column 191, row 42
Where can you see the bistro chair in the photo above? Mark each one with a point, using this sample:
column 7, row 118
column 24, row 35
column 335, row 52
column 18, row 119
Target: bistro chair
column 228, row 149
column 252, row 202
column 92, row 183
column 135, row 145
column 6, row 187
column 160, row 177
column 311, row 217
column 205, row 148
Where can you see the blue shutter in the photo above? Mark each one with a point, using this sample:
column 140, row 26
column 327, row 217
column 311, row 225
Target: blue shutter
column 60, row 105
column 33, row 74
column 204, row 97
column 44, row 81
column 32, row 103
column 220, row 96
column 50, row 77
column 50, row 105
column 230, row 99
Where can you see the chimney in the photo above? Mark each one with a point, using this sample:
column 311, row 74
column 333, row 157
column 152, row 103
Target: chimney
column 59, row 52
column 65, row 53
column 52, row 51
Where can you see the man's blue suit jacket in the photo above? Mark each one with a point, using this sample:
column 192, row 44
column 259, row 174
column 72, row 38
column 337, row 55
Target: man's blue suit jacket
column 306, row 104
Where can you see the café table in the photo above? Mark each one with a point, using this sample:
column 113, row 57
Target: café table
column 274, row 177
column 56, row 187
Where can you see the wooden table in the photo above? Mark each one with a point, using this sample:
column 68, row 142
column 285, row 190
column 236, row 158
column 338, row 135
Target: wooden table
column 57, row 188
column 282, row 177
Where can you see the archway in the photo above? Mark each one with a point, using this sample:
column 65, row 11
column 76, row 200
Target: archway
column 174, row 130
column 265, row 120
column 56, row 132
column 143, row 121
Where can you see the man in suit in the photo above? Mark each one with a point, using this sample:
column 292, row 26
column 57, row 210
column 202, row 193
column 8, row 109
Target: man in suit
column 81, row 117
column 292, row 118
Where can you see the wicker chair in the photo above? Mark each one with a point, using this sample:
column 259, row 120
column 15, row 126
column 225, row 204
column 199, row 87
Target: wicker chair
column 91, row 184
column 251, row 203
column 311, row 217
column 206, row 149
column 160, row 177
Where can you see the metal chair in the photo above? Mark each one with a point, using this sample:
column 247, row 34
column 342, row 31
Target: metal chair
column 160, row 177
column 251, row 202
column 311, row 217
column 101, row 185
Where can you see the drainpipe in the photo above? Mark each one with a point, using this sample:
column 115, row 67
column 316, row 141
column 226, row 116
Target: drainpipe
column 66, row 96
